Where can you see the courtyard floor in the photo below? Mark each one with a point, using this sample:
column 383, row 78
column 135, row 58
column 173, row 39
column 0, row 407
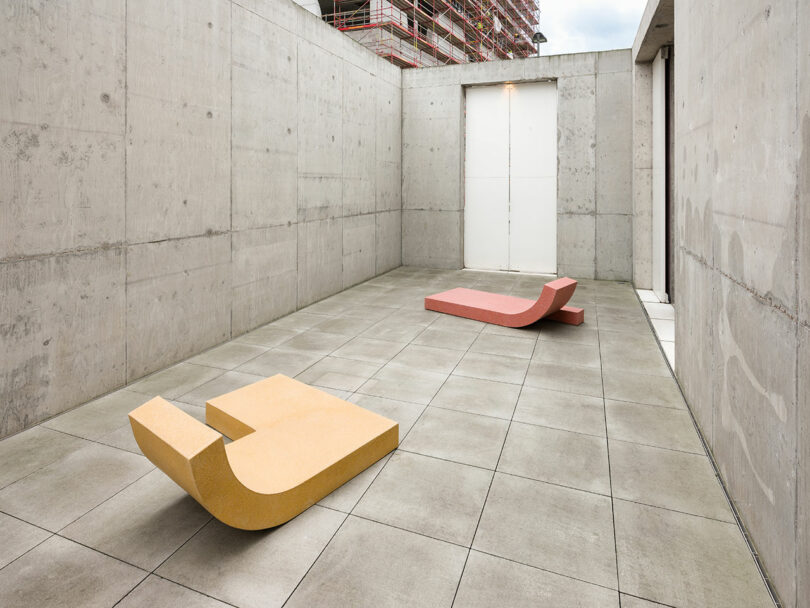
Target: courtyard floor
column 548, row 466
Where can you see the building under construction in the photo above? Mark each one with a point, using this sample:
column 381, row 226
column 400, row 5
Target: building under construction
column 419, row 33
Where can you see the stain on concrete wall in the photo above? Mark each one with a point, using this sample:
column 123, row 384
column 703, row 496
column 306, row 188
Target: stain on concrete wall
column 172, row 175
column 594, row 187
column 742, row 262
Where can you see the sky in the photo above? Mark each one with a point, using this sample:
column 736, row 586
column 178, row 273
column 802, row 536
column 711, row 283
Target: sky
column 575, row 26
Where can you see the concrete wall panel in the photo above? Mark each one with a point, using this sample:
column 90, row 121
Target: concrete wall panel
column 432, row 148
column 576, row 246
column 178, row 119
column 59, row 189
column 265, row 280
column 614, row 140
column 388, row 240
column 576, row 145
column 803, row 482
column 432, row 238
column 614, row 236
column 359, row 256
column 359, row 141
column 642, row 176
column 178, row 300
column 320, row 266
column 755, row 185
column 61, row 333
column 755, row 434
column 265, row 126
column 61, row 126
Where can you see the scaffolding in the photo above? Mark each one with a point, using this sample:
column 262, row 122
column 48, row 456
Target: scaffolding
column 421, row 33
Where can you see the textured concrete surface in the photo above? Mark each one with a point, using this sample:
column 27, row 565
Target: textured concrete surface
column 594, row 151
column 501, row 494
column 172, row 176
column 741, row 158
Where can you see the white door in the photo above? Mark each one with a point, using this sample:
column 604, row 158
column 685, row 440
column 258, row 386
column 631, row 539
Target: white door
column 510, row 214
column 659, row 177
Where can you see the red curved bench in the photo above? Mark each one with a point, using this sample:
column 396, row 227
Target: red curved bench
column 510, row 311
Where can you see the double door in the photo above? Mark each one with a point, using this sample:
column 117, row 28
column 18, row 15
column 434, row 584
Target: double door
column 510, row 213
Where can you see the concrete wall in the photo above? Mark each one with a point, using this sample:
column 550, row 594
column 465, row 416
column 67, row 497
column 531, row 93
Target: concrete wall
column 594, row 196
column 173, row 174
column 742, row 170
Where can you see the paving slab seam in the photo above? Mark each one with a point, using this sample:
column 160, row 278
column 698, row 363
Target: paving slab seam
column 492, row 479
column 329, row 542
column 740, row 525
column 610, row 472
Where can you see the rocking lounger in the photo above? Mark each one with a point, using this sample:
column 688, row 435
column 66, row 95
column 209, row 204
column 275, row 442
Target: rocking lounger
column 510, row 311
column 292, row 446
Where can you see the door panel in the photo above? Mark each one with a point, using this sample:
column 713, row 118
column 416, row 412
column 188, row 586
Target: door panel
column 510, row 215
column 486, row 183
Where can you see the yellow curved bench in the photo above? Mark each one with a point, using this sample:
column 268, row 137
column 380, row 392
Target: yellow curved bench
column 292, row 445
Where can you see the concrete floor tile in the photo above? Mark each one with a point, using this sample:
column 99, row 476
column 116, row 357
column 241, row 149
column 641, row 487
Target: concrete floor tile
column 644, row 357
column 664, row 329
column 650, row 425
column 565, row 378
column 457, row 436
column 331, row 306
column 492, row 367
column 561, row 457
column 340, row 374
column 368, row 349
column 664, row 478
column 143, row 524
column 573, row 537
column 433, row 497
column 638, row 388
column 267, row 335
column 404, row 384
column 250, row 569
column 370, row 565
column 495, row 344
column 156, row 591
column 298, row 321
column 33, row 449
column 476, row 396
column 61, row 573
column 393, row 331
column 403, row 413
column 414, row 317
column 368, row 311
column 227, row 382
column 629, row 601
column 492, row 582
column 440, row 338
column 527, row 333
column 560, row 332
column 228, row 355
column 18, row 537
column 280, row 361
column 568, row 353
column 68, row 488
column 560, row 410
column 684, row 560
column 346, row 496
column 428, row 358
column 452, row 323
column 316, row 342
column 346, row 326
column 175, row 381
column 97, row 418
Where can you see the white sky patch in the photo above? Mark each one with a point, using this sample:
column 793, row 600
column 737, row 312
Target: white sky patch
column 576, row 26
